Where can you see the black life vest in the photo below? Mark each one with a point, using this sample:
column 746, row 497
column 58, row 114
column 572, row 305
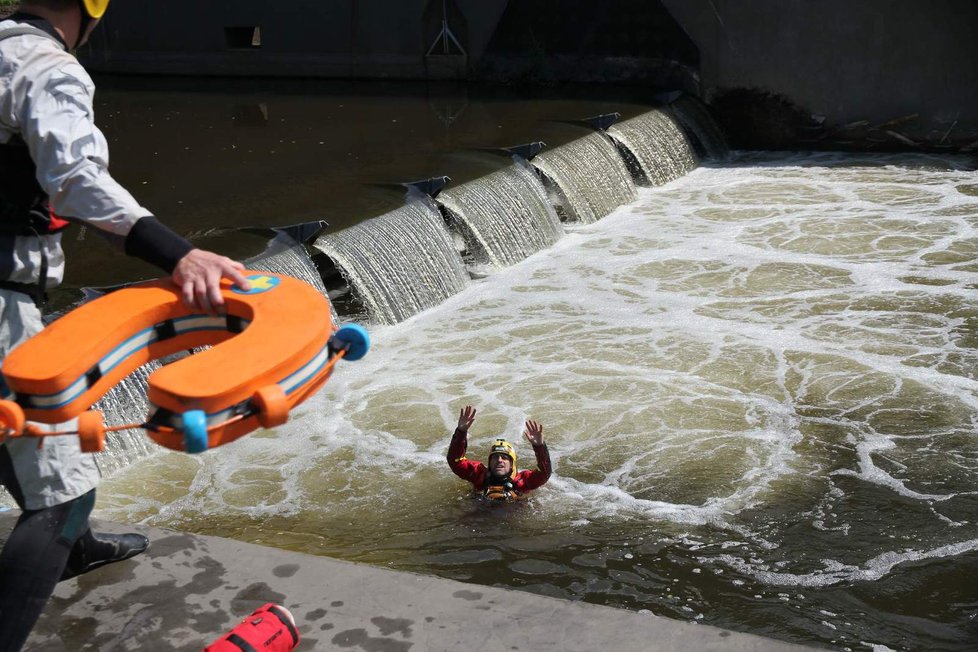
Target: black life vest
column 24, row 206
column 25, row 211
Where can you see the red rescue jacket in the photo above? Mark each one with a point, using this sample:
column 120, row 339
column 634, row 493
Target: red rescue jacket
column 478, row 473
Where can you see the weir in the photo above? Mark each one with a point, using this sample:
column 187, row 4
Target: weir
column 707, row 136
column 658, row 144
column 406, row 261
column 126, row 403
column 413, row 258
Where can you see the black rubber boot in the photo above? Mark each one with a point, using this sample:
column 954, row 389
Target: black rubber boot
column 93, row 551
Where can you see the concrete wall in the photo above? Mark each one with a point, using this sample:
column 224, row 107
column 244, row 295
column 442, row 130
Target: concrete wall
column 318, row 38
column 186, row 591
column 618, row 41
column 866, row 67
column 876, row 74
column 525, row 40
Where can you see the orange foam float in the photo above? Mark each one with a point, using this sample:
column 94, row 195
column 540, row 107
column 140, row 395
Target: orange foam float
column 275, row 346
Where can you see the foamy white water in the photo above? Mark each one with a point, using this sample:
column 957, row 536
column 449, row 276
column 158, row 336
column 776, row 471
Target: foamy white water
column 757, row 383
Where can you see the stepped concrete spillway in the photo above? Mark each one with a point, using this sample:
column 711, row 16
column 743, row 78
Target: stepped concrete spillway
column 188, row 590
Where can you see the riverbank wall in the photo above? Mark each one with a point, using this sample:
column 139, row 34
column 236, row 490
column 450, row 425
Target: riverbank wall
column 781, row 74
column 188, row 590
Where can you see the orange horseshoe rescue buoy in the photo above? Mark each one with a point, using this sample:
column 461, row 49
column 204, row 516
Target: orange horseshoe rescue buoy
column 273, row 349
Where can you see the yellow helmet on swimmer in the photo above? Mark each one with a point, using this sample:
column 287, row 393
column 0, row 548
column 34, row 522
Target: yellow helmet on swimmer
column 503, row 447
column 95, row 8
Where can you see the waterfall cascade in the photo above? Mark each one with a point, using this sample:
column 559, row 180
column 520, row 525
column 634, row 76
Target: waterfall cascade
column 400, row 263
column 658, row 144
column 591, row 176
column 126, row 403
column 283, row 255
column 703, row 129
column 405, row 261
column 505, row 216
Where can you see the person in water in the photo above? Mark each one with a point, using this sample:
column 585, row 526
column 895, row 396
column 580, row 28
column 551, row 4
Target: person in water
column 500, row 480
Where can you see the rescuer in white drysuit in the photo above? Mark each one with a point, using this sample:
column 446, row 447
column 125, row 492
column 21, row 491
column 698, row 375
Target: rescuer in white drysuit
column 54, row 171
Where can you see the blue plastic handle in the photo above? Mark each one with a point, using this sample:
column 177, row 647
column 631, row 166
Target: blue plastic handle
column 355, row 337
column 194, row 431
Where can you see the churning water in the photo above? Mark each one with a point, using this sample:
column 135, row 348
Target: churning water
column 757, row 383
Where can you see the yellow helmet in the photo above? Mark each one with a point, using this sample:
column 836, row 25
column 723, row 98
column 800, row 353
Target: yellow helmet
column 503, row 447
column 95, row 8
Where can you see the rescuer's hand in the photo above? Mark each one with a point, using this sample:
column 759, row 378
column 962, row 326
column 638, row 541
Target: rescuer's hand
column 199, row 274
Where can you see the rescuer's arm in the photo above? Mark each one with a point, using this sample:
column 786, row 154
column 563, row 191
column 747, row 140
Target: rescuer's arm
column 72, row 159
column 53, row 107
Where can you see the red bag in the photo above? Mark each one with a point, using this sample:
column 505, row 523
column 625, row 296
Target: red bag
column 270, row 628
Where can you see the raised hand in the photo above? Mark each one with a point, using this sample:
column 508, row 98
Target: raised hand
column 534, row 433
column 465, row 418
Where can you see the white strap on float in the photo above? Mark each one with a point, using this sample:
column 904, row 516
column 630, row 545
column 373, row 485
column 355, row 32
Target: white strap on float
column 141, row 340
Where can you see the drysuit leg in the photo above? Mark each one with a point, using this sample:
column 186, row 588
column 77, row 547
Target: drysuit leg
column 34, row 558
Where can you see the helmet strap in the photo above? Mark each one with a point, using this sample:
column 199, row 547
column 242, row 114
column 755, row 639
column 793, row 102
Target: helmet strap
column 86, row 20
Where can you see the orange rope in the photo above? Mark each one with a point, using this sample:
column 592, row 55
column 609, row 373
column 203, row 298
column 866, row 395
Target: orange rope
column 125, row 426
column 332, row 361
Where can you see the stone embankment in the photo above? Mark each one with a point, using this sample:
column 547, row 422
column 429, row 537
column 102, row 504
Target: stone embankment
column 187, row 590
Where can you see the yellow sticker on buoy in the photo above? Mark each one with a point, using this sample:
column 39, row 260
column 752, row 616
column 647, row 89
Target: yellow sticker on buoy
column 259, row 283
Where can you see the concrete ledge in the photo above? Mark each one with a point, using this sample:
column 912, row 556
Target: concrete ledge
column 247, row 63
column 188, row 590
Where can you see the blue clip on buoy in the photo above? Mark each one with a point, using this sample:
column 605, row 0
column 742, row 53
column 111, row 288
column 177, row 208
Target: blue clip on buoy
column 353, row 338
column 194, row 431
